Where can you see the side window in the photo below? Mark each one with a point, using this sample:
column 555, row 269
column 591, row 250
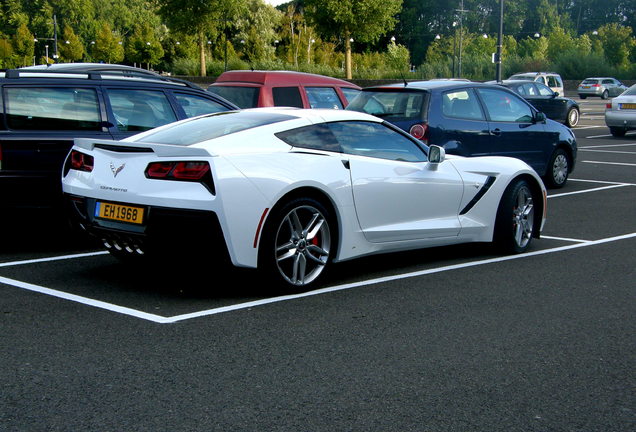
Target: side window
column 608, row 81
column 505, row 107
column 287, row 96
column 376, row 140
column 140, row 110
column 349, row 93
column 552, row 81
column 461, row 104
column 545, row 90
column 531, row 90
column 196, row 105
column 316, row 137
column 323, row 97
column 52, row 108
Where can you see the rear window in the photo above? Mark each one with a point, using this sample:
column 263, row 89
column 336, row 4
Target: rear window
column 522, row 77
column 323, row 97
column 213, row 126
column 391, row 105
column 243, row 97
column 590, row 81
column 61, row 108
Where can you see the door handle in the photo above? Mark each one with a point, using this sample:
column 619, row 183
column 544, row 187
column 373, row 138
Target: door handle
column 495, row 132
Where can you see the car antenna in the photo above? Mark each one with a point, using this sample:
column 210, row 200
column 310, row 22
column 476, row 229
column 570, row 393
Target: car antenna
column 406, row 83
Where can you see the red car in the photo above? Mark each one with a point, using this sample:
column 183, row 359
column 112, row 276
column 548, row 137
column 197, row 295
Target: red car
column 251, row 89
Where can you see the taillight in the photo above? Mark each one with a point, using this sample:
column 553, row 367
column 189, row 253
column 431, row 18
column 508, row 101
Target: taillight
column 195, row 171
column 596, row 85
column 81, row 161
column 608, row 105
column 420, row 131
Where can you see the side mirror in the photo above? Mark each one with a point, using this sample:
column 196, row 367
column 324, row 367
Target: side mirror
column 539, row 117
column 555, row 94
column 436, row 154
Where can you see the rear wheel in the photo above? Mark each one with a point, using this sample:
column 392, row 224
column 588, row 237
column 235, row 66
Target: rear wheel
column 582, row 96
column 514, row 226
column 297, row 242
column 572, row 118
column 618, row 132
column 558, row 169
column 605, row 94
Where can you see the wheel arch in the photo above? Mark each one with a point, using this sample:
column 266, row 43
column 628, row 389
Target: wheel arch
column 306, row 192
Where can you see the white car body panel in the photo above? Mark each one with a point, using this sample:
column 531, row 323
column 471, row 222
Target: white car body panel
column 380, row 205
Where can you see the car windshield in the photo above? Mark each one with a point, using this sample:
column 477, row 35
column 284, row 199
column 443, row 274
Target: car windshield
column 243, row 97
column 213, row 126
column 393, row 105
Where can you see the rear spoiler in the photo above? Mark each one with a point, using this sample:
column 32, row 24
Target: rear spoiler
column 163, row 150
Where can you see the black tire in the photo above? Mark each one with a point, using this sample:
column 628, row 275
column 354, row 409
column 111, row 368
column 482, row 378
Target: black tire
column 514, row 227
column 572, row 118
column 296, row 245
column 582, row 96
column 605, row 95
column 558, row 169
column 617, row 132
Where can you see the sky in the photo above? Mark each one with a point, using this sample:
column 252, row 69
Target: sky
column 276, row 2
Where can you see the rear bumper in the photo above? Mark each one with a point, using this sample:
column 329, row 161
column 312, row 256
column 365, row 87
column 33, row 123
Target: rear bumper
column 168, row 232
column 621, row 119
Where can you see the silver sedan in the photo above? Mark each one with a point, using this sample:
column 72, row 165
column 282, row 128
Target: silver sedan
column 620, row 113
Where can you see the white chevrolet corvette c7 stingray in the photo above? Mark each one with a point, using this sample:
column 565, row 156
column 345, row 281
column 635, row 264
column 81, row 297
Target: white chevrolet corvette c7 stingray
column 289, row 191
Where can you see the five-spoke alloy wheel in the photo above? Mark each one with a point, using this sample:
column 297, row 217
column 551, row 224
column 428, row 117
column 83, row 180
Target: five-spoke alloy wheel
column 514, row 228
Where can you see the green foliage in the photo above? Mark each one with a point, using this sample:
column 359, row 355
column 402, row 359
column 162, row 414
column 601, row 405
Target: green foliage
column 23, row 44
column 71, row 47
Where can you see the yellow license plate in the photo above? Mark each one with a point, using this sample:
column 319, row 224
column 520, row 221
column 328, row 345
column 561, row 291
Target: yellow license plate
column 118, row 212
column 628, row 106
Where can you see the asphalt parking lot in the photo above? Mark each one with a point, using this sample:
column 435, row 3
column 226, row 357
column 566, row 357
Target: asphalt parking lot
column 444, row 339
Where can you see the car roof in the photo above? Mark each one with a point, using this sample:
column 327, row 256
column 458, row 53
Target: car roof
column 279, row 77
column 86, row 67
column 428, row 85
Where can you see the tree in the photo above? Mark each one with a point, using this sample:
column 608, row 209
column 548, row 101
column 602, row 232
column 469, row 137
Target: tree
column 360, row 20
column 143, row 46
column 6, row 53
column 108, row 47
column 617, row 42
column 71, row 47
column 24, row 44
column 200, row 18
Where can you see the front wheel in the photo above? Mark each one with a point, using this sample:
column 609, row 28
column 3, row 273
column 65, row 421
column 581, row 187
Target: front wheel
column 297, row 243
column 618, row 132
column 514, row 227
column 558, row 169
column 572, row 118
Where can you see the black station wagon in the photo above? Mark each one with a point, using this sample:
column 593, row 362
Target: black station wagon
column 43, row 110
column 475, row 119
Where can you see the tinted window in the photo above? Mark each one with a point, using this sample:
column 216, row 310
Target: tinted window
column 505, row 107
column 63, row 108
column 323, row 97
column 212, row 126
column 392, row 105
column 140, row 110
column 608, row 81
column 197, row 105
column 376, row 140
column 461, row 104
column 243, row 97
column 553, row 81
column 590, row 81
column 287, row 96
column 316, row 137
column 531, row 89
column 349, row 93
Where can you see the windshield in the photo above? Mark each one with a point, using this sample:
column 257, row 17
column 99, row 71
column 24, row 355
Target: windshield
column 213, row 126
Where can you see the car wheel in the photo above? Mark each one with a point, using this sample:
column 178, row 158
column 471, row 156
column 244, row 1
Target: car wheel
column 572, row 117
column 605, row 95
column 558, row 169
column 297, row 242
column 514, row 226
column 582, row 96
column 618, row 132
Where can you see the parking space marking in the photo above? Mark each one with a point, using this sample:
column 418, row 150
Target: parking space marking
column 601, row 136
column 610, row 163
column 169, row 320
column 607, row 145
column 590, row 190
column 55, row 258
column 564, row 239
column 606, row 151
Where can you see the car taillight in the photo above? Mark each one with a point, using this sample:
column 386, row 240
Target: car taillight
column 420, row 131
column 608, row 105
column 193, row 171
column 81, row 161
column 596, row 85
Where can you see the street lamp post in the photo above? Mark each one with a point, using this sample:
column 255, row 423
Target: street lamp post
column 499, row 43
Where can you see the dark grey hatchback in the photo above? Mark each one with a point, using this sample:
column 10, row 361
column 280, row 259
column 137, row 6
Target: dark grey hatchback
column 475, row 119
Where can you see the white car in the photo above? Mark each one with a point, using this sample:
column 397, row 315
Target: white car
column 288, row 191
column 620, row 113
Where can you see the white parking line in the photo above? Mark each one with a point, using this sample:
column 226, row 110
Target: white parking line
column 564, row 239
column 166, row 320
column 607, row 145
column 610, row 163
column 588, row 190
column 57, row 258
column 606, row 151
